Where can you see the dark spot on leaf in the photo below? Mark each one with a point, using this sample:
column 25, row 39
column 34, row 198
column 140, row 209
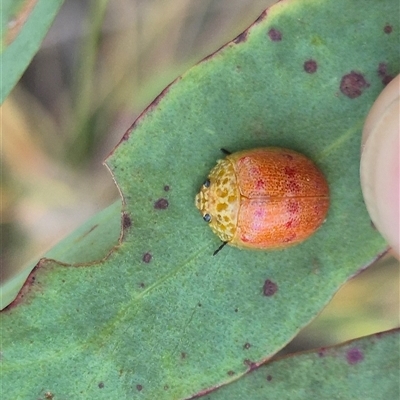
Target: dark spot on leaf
column 183, row 355
column 387, row 79
column 353, row 84
column 354, row 355
column 261, row 17
column 49, row 395
column 241, row 38
column 101, row 385
column 139, row 387
column 142, row 285
column 166, row 188
column 236, row 310
column 231, row 373
column 29, row 285
column 382, row 73
column 321, row 352
column 274, row 35
column 126, row 221
column 166, row 387
column 252, row 365
column 310, row 66
column 388, row 29
column 147, row 257
column 269, row 378
column 247, row 346
column 382, row 69
column 127, row 133
column 199, row 304
column 161, row 204
column 270, row 288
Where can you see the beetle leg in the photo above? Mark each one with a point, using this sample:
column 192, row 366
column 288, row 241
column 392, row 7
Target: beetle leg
column 220, row 248
column 225, row 151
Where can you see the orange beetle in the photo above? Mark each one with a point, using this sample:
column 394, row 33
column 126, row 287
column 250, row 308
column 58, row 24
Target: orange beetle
column 265, row 198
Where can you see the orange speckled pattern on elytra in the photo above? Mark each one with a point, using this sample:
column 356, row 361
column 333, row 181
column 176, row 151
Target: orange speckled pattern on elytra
column 280, row 198
column 275, row 172
column 284, row 198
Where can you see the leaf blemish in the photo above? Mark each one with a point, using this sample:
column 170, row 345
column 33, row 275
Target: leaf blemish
column 101, row 385
column 382, row 72
column 388, row 29
column 321, row 352
column 270, row 288
column 29, row 284
column 354, row 356
column 252, row 365
column 161, row 204
column 261, row 17
column 247, row 346
column 269, row 378
column 147, row 257
column 231, row 373
column 166, row 188
column 139, row 387
column 240, row 38
column 310, row 66
column 275, row 35
column 126, row 221
column 183, row 355
column 353, row 84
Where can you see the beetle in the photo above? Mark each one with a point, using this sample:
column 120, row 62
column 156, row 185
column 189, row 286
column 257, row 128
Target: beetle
column 264, row 198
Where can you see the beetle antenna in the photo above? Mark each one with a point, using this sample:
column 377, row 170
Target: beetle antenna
column 225, row 151
column 220, row 248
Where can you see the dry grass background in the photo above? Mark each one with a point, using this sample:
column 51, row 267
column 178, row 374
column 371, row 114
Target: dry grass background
column 101, row 63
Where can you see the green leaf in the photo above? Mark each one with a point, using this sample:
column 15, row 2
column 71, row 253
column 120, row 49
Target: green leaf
column 162, row 318
column 24, row 24
column 366, row 368
column 94, row 240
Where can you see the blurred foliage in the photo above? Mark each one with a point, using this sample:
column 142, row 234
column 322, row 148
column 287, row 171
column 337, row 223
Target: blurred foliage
column 100, row 65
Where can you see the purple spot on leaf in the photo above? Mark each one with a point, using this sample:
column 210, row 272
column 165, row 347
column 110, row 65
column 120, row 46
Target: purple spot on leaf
column 274, row 35
column 353, row 84
column 388, row 29
column 126, row 221
column 147, row 257
column 310, row 66
column 354, row 355
column 270, row 288
column 161, row 204
column 241, row 38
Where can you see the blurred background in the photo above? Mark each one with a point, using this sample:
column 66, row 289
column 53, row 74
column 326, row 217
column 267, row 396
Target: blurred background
column 100, row 65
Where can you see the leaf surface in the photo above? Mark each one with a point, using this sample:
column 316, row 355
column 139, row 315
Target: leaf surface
column 366, row 369
column 162, row 318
